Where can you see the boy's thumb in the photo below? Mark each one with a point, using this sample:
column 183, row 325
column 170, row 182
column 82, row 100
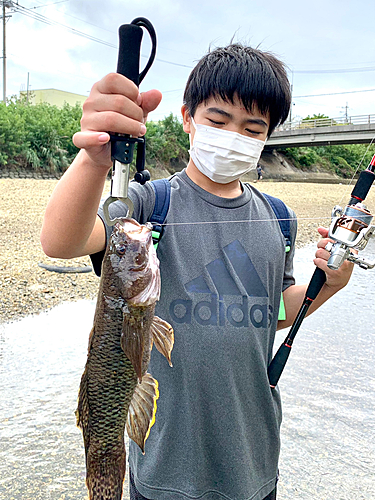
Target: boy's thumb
column 150, row 100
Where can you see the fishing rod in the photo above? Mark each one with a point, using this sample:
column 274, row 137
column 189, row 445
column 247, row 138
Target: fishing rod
column 350, row 229
column 122, row 145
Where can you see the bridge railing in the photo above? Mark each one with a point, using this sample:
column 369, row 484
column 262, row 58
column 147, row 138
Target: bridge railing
column 328, row 122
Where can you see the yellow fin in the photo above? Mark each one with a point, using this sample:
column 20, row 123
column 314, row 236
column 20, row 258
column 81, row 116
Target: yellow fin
column 163, row 337
column 142, row 410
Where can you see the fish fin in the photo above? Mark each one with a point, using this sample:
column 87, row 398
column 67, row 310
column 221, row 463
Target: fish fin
column 132, row 343
column 142, row 410
column 82, row 411
column 163, row 336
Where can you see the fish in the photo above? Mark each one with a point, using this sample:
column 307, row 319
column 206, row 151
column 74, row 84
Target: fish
column 116, row 391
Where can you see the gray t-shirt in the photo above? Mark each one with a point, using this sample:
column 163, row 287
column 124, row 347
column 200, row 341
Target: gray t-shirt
column 223, row 267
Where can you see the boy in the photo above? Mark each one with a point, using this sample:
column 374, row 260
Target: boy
column 217, row 429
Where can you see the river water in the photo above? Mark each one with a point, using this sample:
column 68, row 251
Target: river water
column 328, row 390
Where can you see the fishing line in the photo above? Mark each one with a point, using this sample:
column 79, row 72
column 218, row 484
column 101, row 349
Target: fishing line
column 241, row 221
column 268, row 220
column 355, row 173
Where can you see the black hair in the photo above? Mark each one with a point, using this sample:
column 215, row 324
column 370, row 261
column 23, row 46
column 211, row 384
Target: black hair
column 254, row 77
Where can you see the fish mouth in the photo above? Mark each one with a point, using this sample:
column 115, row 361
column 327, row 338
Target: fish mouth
column 134, row 230
column 133, row 235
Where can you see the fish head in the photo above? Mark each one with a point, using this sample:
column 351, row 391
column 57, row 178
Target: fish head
column 134, row 266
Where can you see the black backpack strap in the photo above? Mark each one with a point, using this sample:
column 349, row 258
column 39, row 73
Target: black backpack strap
column 162, row 188
column 283, row 217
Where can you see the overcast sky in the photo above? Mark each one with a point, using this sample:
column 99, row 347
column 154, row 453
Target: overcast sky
column 314, row 39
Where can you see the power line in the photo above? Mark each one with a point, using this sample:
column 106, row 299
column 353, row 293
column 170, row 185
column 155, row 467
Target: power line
column 39, row 17
column 48, row 4
column 343, row 70
column 334, row 93
column 74, row 17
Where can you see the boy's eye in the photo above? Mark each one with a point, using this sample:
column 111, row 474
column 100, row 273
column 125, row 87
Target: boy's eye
column 215, row 122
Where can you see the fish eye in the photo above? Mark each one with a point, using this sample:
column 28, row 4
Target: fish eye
column 139, row 259
column 120, row 250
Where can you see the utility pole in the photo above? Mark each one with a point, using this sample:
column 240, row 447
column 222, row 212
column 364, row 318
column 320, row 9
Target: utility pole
column 5, row 4
column 291, row 102
column 4, row 55
column 27, row 89
column 346, row 112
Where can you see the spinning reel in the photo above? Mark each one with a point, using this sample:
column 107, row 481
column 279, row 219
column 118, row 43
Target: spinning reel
column 350, row 229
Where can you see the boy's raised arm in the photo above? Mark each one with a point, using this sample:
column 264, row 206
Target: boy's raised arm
column 71, row 227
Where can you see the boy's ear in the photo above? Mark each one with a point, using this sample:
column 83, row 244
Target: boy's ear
column 186, row 119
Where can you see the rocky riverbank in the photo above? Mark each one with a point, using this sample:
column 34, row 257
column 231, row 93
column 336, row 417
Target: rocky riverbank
column 27, row 288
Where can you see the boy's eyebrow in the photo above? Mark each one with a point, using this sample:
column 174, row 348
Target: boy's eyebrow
column 254, row 121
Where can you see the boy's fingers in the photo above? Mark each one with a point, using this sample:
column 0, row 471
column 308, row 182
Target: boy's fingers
column 322, row 243
column 90, row 139
column 323, row 231
column 149, row 101
column 109, row 121
column 321, row 253
column 112, row 102
column 114, row 83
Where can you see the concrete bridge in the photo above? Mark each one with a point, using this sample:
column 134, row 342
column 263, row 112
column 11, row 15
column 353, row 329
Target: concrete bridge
column 324, row 132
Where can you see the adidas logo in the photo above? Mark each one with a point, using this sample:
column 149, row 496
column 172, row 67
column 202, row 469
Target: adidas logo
column 227, row 302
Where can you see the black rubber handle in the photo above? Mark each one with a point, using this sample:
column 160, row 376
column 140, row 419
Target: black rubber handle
column 129, row 51
column 277, row 365
column 317, row 281
column 362, row 186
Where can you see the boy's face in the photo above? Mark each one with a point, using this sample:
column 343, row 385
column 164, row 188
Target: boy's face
column 227, row 116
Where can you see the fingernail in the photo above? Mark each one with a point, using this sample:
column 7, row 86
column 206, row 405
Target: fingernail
column 103, row 138
column 142, row 130
column 139, row 99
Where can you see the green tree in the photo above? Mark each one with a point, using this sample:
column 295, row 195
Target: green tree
column 342, row 160
column 166, row 140
column 319, row 116
column 13, row 143
column 38, row 136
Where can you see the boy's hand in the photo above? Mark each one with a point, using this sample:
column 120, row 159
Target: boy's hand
column 335, row 279
column 114, row 105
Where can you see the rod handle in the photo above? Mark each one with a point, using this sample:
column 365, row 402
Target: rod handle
column 316, row 283
column 362, row 186
column 277, row 365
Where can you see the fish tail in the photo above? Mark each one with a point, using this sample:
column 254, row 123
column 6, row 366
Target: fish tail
column 104, row 473
column 105, row 476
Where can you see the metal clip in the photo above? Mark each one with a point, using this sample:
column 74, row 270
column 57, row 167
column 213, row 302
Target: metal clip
column 119, row 191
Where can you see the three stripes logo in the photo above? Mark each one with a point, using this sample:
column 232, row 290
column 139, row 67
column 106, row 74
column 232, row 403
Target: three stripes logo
column 227, row 303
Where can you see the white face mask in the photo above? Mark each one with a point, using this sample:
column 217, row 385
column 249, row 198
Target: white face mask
column 223, row 156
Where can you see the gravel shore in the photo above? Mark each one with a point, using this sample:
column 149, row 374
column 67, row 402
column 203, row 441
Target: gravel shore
column 27, row 288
